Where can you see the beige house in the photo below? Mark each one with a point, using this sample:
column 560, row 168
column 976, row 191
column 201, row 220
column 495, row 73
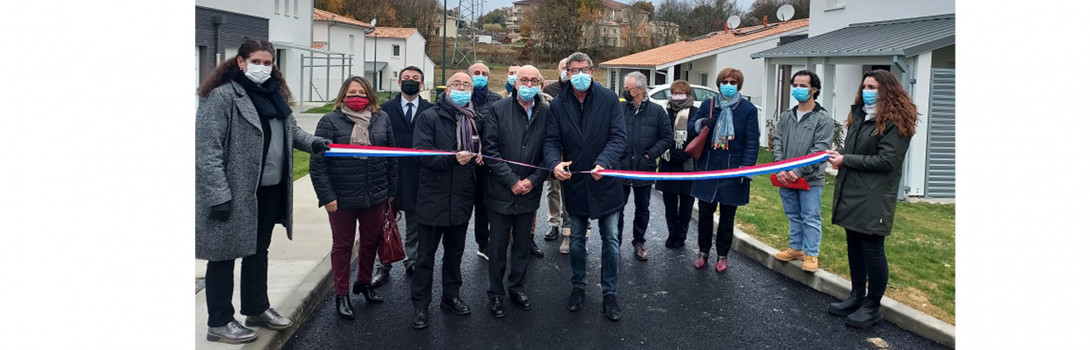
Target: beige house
column 618, row 24
column 451, row 25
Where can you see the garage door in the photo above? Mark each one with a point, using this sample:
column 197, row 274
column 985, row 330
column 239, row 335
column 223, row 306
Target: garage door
column 940, row 136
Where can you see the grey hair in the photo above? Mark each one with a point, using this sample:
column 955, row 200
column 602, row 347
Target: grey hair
column 486, row 69
column 578, row 57
column 641, row 80
column 529, row 69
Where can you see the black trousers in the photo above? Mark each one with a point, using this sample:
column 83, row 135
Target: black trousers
column 219, row 283
column 724, row 235
column 497, row 252
column 867, row 264
column 679, row 210
column 453, row 239
column 480, row 212
column 643, row 214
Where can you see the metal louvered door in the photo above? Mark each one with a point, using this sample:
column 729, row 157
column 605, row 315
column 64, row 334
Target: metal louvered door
column 940, row 136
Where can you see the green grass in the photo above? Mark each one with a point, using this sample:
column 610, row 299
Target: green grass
column 920, row 250
column 300, row 164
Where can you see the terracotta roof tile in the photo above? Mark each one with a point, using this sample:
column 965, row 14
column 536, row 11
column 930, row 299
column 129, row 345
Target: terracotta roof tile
column 391, row 32
column 685, row 49
column 321, row 15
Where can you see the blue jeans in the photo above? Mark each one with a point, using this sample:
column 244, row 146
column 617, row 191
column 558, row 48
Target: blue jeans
column 607, row 227
column 803, row 209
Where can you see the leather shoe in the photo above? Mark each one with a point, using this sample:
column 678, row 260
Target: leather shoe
column 847, row 306
column 455, row 306
column 610, row 309
column 231, row 333
column 575, row 300
column 520, row 299
column 269, row 319
column 409, row 269
column 535, row 250
column 495, row 306
column 866, row 316
column 553, row 233
column 701, row 261
column 382, row 274
column 344, row 307
column 420, row 318
column 641, row 252
column 367, row 291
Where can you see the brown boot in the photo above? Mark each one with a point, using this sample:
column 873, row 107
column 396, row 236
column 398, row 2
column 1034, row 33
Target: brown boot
column 810, row 264
column 789, row 254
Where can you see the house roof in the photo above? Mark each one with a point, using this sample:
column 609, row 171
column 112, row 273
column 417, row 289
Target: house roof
column 900, row 37
column 326, row 16
column 391, row 32
column 704, row 44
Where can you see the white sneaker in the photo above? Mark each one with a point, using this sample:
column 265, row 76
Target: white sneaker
column 482, row 254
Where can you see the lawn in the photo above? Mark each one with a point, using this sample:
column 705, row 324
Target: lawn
column 920, row 250
column 300, row 164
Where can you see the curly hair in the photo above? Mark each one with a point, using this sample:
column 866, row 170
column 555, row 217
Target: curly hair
column 893, row 104
column 224, row 71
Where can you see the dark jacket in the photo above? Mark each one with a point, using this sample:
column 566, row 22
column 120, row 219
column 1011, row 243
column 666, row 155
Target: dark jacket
column 510, row 135
column 679, row 160
column 647, row 136
column 554, row 89
column 445, row 195
column 408, row 168
column 868, row 179
column 811, row 134
column 586, row 136
column 482, row 113
column 356, row 182
column 742, row 152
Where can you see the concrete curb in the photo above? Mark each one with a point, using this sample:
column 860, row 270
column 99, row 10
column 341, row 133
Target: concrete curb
column 298, row 306
column 902, row 315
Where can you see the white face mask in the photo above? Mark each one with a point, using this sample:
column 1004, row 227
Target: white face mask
column 258, row 73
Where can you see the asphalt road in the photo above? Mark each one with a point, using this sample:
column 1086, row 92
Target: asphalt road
column 666, row 303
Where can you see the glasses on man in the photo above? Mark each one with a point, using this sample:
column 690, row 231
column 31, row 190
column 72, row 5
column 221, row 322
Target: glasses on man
column 459, row 85
column 575, row 71
column 530, row 81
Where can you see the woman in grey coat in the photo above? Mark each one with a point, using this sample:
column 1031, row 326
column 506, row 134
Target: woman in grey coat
column 245, row 134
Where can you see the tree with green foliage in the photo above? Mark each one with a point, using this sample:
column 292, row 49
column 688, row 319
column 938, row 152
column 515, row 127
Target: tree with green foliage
column 646, row 6
column 497, row 16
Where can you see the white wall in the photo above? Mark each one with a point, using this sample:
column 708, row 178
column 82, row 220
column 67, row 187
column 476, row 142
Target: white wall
column 857, row 11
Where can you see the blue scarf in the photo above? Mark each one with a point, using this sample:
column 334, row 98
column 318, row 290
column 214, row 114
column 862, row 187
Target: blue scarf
column 724, row 127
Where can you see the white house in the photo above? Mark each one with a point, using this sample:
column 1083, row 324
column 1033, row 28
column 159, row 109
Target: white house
column 401, row 47
column 914, row 40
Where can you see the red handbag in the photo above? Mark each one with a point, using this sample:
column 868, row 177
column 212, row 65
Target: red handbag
column 390, row 248
column 696, row 146
column 799, row 184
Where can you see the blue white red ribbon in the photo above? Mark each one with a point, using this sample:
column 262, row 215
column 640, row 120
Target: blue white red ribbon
column 339, row 150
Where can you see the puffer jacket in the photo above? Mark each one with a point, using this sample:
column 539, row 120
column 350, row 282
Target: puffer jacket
column 356, row 182
column 648, row 135
column 811, row 134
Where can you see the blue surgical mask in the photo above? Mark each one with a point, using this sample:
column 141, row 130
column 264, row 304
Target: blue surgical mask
column 564, row 76
column 870, row 97
column 460, row 98
column 528, row 93
column 511, row 80
column 581, row 81
column 800, row 94
column 728, row 90
column 480, row 81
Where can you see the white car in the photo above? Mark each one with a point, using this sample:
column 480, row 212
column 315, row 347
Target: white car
column 660, row 95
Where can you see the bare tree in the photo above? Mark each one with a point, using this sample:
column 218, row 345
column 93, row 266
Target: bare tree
column 760, row 8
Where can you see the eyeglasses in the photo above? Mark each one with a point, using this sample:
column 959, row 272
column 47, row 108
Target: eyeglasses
column 574, row 71
column 530, row 81
column 731, row 82
column 634, row 89
column 457, row 85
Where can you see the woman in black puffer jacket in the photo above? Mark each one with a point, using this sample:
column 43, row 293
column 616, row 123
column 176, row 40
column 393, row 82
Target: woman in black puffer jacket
column 356, row 189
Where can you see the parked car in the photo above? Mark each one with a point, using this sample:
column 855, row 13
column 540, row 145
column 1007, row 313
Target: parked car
column 660, row 94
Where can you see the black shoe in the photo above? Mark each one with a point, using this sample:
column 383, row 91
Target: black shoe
column 382, row 273
column 409, row 269
column 455, row 306
column 553, row 234
column 344, row 307
column 575, row 300
column 367, row 291
column 495, row 307
column 420, row 319
column 610, row 308
column 520, row 299
column 866, row 316
column 535, row 250
column 847, row 306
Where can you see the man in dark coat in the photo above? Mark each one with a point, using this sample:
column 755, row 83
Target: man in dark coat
column 403, row 111
column 648, row 136
column 587, row 133
column 558, row 218
column 445, row 197
column 482, row 99
column 554, row 89
column 514, row 130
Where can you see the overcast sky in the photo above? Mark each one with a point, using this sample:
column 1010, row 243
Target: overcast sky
column 490, row 5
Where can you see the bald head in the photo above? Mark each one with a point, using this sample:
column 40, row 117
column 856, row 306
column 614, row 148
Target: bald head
column 460, row 81
column 527, row 71
column 478, row 68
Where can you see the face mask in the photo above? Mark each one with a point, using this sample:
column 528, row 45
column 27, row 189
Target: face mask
column 800, row 94
column 564, row 76
column 511, row 80
column 528, row 93
column 581, row 81
column 258, row 73
column 480, row 81
column 627, row 96
column 410, row 87
column 870, row 97
column 356, row 103
column 728, row 90
column 460, row 98
column 679, row 97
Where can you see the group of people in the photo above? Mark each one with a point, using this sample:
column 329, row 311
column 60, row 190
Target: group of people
column 568, row 131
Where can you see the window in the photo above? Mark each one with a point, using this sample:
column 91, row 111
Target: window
column 702, row 94
column 834, row 4
column 287, row 5
column 661, row 95
column 351, row 44
column 296, row 8
column 704, row 79
column 397, row 50
column 277, row 8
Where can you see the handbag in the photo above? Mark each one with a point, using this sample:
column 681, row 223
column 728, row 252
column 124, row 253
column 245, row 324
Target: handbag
column 799, row 184
column 390, row 248
column 696, row 147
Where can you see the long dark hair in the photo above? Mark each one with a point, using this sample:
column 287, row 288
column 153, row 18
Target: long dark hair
column 226, row 69
column 893, row 104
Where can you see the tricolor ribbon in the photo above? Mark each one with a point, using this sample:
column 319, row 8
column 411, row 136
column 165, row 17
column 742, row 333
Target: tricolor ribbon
column 339, row 150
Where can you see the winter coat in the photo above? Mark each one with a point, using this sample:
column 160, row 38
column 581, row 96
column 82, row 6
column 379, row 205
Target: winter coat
column 229, row 149
column 554, row 89
column 679, row 160
column 445, row 195
column 811, row 134
column 587, row 136
column 869, row 177
column 354, row 182
column 510, row 135
column 482, row 113
column 408, row 168
column 647, row 135
column 742, row 152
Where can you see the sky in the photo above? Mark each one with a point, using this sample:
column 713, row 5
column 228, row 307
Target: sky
column 490, row 5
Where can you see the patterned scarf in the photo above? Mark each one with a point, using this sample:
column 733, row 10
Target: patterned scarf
column 724, row 127
column 361, row 136
column 468, row 134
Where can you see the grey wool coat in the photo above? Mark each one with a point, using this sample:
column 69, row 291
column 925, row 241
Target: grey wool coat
column 229, row 148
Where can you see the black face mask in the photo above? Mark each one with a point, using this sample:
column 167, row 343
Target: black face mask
column 627, row 96
column 410, row 87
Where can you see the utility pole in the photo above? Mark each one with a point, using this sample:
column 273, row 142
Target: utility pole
column 444, row 24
